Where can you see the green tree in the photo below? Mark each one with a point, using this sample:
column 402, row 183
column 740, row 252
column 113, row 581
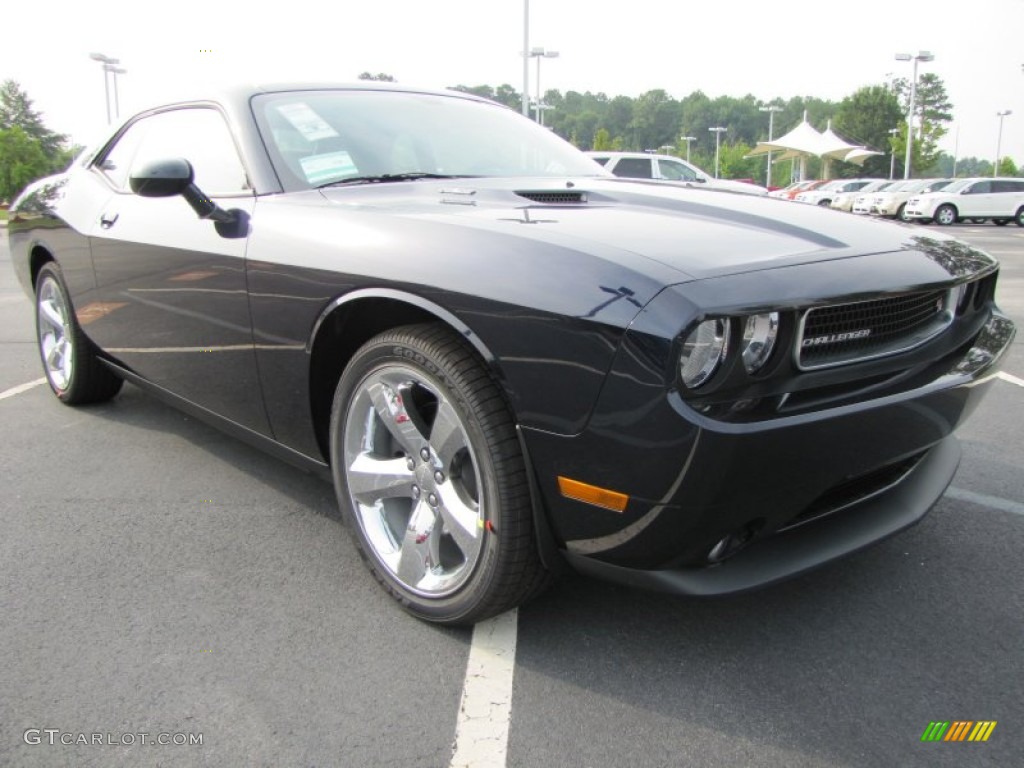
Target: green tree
column 1007, row 167
column 16, row 110
column 866, row 117
column 932, row 113
column 22, row 161
column 602, row 140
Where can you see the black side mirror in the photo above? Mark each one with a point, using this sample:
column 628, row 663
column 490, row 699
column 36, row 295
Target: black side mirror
column 174, row 176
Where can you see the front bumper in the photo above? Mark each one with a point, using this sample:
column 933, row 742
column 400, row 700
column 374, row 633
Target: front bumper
column 794, row 491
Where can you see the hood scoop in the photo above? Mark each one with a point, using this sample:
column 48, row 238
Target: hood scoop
column 554, row 197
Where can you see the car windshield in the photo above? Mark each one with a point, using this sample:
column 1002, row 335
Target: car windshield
column 318, row 138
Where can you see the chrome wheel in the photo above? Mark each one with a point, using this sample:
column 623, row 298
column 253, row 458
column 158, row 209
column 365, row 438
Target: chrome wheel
column 945, row 215
column 55, row 344
column 412, row 475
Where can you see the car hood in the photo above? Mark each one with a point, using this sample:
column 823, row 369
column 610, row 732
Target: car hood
column 696, row 233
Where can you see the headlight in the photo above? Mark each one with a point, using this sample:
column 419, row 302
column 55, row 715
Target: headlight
column 759, row 340
column 703, row 350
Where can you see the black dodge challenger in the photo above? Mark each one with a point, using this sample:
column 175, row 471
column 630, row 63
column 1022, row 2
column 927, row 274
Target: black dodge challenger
column 506, row 358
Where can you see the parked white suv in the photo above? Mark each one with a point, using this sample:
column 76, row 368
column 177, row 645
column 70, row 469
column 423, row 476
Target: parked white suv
column 844, row 200
column 999, row 199
column 645, row 165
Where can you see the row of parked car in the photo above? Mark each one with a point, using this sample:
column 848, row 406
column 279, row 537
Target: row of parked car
column 944, row 201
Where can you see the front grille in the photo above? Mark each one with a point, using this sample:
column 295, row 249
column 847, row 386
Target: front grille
column 555, row 198
column 846, row 333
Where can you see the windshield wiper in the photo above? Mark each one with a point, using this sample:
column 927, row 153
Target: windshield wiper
column 388, row 177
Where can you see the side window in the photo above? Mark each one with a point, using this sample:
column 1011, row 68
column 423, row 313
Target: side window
column 980, row 188
column 634, row 168
column 675, row 171
column 200, row 135
column 600, row 160
column 118, row 159
column 1008, row 186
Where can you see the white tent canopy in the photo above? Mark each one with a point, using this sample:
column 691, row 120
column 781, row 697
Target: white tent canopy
column 805, row 141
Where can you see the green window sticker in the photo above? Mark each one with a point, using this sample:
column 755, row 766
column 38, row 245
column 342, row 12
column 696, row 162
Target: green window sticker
column 320, row 169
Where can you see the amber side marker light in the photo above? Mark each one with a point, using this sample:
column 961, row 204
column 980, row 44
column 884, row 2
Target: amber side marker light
column 591, row 494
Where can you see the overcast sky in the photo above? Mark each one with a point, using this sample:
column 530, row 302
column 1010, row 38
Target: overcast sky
column 735, row 47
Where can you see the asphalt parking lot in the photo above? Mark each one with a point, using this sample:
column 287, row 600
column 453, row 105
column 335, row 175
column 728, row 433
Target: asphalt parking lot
column 158, row 577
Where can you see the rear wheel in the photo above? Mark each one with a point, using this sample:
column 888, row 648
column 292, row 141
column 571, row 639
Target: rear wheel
column 1001, row 222
column 431, row 479
column 978, row 221
column 70, row 361
column 945, row 215
column 1019, row 217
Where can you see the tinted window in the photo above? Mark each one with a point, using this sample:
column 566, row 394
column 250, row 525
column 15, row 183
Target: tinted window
column 634, row 168
column 202, row 137
column 675, row 171
column 600, row 160
column 980, row 188
column 118, row 159
column 1007, row 186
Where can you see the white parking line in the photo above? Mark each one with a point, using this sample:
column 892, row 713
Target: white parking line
column 21, row 388
column 481, row 734
column 1011, row 378
column 992, row 502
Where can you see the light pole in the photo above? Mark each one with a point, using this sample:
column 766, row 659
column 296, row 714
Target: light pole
column 541, row 53
column 771, row 109
column 114, row 72
column 109, row 65
column 892, row 154
column 999, row 141
column 921, row 56
column 718, row 131
column 526, row 58
column 687, row 139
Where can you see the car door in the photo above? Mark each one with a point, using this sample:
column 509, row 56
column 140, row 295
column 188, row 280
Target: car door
column 977, row 199
column 170, row 300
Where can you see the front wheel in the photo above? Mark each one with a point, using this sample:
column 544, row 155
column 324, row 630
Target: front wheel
column 431, row 479
column 901, row 213
column 1019, row 217
column 72, row 366
column 945, row 215
column 1001, row 222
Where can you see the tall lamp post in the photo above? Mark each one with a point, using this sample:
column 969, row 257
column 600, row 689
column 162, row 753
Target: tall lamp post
column 771, row 109
column 718, row 131
column 999, row 141
column 526, row 58
column 921, row 56
column 541, row 53
column 688, row 139
column 892, row 154
column 109, row 67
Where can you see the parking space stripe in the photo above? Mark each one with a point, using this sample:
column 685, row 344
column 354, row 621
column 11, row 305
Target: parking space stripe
column 481, row 734
column 992, row 502
column 20, row 388
column 1011, row 378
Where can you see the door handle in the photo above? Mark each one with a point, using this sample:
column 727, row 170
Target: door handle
column 106, row 222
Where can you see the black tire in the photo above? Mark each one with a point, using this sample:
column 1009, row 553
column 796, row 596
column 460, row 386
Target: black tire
column 1019, row 217
column 70, row 361
column 945, row 215
column 978, row 221
column 1000, row 222
column 419, row 398
column 825, row 203
column 901, row 213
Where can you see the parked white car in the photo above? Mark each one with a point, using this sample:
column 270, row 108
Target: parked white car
column 862, row 204
column 844, row 200
column 1000, row 199
column 645, row 165
column 892, row 202
column 824, row 194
